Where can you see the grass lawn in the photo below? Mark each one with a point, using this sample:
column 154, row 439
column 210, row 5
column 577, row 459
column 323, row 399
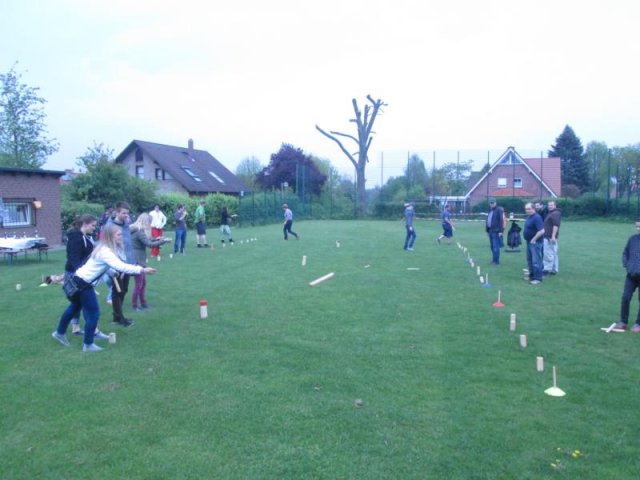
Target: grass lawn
column 265, row 387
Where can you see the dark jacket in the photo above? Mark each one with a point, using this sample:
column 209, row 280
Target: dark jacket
column 496, row 221
column 79, row 247
column 631, row 256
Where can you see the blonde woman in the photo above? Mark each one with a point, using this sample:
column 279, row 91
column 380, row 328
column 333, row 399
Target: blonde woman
column 105, row 257
column 140, row 240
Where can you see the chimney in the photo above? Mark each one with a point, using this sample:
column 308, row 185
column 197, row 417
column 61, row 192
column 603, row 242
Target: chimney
column 191, row 148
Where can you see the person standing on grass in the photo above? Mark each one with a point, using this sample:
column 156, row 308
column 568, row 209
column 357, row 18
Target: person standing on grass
column 410, row 237
column 140, row 239
column 288, row 222
column 224, row 225
column 180, row 216
column 447, row 225
column 118, row 292
column 158, row 221
column 551, row 232
column 495, row 229
column 533, row 232
column 631, row 263
column 108, row 255
column 201, row 232
column 79, row 248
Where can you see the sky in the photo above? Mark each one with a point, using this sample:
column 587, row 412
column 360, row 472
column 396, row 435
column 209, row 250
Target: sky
column 241, row 77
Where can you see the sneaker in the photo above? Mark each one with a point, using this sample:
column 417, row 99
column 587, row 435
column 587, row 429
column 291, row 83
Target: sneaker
column 535, row 282
column 199, row 246
column 61, row 338
column 126, row 322
column 91, row 348
column 636, row 328
column 109, row 301
column 78, row 332
column 206, row 245
column 100, row 336
column 410, row 249
column 620, row 326
column 438, row 240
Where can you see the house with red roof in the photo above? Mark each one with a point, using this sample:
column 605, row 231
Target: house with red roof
column 513, row 176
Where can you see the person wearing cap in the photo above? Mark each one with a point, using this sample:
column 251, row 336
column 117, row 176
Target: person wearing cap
column 288, row 221
column 411, row 232
column 495, row 228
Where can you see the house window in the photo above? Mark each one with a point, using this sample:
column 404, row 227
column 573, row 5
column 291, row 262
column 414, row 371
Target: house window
column 162, row 174
column 17, row 213
column 216, row 177
column 191, row 173
column 140, row 171
column 139, row 157
column 502, row 182
column 517, row 183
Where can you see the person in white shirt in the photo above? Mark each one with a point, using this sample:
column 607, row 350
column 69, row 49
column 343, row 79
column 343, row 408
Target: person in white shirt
column 105, row 257
column 158, row 221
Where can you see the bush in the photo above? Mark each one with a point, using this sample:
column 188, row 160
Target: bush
column 70, row 209
column 509, row 204
column 213, row 208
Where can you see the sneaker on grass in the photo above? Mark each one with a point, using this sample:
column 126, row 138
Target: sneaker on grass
column 636, row 328
column 620, row 326
column 61, row 338
column 91, row 348
column 100, row 336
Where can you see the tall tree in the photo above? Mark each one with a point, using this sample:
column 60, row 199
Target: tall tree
column 416, row 173
column 93, row 155
column 291, row 165
column 574, row 168
column 247, row 170
column 456, row 175
column 23, row 140
column 364, row 131
column 597, row 155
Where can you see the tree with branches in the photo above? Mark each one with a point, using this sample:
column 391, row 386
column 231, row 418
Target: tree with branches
column 363, row 138
column 22, row 124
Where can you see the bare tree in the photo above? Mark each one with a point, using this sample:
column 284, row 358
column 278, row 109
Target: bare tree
column 360, row 158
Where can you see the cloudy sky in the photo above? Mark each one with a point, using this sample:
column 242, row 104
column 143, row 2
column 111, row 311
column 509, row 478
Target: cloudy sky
column 240, row 77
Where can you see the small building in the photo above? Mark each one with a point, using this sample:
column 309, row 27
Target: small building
column 30, row 204
column 179, row 169
column 514, row 176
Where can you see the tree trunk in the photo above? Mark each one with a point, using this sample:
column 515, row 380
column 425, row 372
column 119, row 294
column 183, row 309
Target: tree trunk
column 361, row 190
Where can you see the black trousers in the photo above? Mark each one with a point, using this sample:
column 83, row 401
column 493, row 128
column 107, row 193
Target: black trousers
column 117, row 298
column 630, row 285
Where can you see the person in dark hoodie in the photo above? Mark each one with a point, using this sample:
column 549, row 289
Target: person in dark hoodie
column 495, row 228
column 551, row 232
column 79, row 248
column 631, row 263
column 121, row 219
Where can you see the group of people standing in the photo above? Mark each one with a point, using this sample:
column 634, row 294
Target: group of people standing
column 541, row 231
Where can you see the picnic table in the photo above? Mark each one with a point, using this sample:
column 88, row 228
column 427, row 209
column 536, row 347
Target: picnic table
column 10, row 248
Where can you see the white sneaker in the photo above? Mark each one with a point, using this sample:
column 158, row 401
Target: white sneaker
column 100, row 336
column 61, row 338
column 91, row 348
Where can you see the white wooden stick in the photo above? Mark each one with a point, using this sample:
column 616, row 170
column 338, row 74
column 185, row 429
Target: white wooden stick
column 321, row 279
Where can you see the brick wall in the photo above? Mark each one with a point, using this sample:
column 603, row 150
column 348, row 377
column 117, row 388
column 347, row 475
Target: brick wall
column 43, row 187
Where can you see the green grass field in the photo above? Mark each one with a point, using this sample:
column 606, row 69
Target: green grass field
column 265, row 387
